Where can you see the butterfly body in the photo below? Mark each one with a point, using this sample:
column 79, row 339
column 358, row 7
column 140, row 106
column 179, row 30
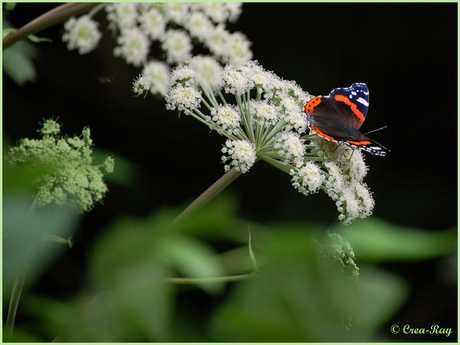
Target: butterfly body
column 339, row 116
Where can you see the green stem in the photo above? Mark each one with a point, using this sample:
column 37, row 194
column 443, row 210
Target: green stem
column 208, row 194
column 14, row 301
column 210, row 280
column 55, row 16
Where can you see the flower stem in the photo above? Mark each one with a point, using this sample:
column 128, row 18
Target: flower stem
column 57, row 15
column 208, row 194
column 14, row 301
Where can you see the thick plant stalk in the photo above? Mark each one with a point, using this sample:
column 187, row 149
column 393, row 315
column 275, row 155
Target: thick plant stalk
column 208, row 194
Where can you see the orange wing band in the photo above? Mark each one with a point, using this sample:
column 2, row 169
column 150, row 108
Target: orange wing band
column 354, row 108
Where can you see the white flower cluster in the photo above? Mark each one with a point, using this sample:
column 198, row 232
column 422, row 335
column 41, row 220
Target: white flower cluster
column 241, row 153
column 340, row 176
column 173, row 26
column 81, row 34
column 267, row 122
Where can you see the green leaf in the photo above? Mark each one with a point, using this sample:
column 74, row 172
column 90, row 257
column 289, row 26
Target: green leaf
column 298, row 297
column 376, row 240
column 9, row 6
column 251, row 255
column 194, row 259
column 380, row 295
column 137, row 308
column 17, row 63
column 23, row 234
column 37, row 39
column 8, row 31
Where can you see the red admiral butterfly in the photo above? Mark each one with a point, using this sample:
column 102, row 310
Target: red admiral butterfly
column 339, row 116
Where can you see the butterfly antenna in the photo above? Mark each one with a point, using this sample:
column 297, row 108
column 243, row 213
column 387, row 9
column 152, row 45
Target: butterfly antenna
column 375, row 130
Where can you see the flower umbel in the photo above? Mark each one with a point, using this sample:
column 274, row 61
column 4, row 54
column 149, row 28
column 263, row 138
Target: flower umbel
column 174, row 27
column 82, row 34
column 69, row 176
column 267, row 122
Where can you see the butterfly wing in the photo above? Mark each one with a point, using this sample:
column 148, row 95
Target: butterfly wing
column 339, row 116
column 354, row 99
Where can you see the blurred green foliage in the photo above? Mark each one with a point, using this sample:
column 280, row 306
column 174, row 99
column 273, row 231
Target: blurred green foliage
column 298, row 295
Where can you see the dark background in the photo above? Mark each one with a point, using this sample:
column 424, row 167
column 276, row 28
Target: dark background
column 405, row 53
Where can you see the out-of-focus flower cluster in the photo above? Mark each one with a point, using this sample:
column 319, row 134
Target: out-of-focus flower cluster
column 69, row 175
column 174, row 27
column 266, row 122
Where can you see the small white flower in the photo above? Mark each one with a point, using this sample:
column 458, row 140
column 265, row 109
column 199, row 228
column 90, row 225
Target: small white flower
column 290, row 147
column 177, row 45
column 83, row 34
column 152, row 23
column 352, row 208
column 184, row 75
column 226, row 117
column 293, row 115
column 234, row 10
column 218, row 41
column 208, row 72
column 158, row 74
column 123, row 14
column 365, row 198
column 216, row 11
column 261, row 79
column 263, row 113
column 141, row 84
column 185, row 98
column 235, row 82
column 335, row 179
column 355, row 165
column 199, row 26
column 241, row 152
column 308, row 179
column 176, row 11
column 133, row 46
column 238, row 52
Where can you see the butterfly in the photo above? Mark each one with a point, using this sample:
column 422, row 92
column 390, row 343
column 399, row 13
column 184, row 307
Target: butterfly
column 339, row 116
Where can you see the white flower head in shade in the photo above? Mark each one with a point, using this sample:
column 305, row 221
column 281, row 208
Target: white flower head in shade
column 234, row 10
column 177, row 45
column 133, row 46
column 183, row 75
column 141, row 84
column 82, row 34
column 152, row 23
column 238, row 52
column 122, row 14
column 218, row 41
column 158, row 75
column 199, row 26
column 208, row 72
column 177, row 12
